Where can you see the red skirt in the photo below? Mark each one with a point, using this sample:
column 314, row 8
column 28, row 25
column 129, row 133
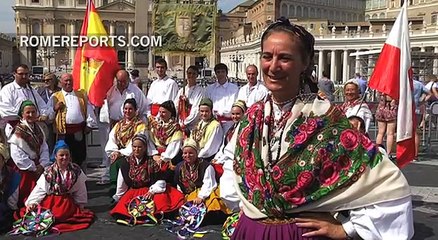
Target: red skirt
column 68, row 216
column 28, row 181
column 168, row 201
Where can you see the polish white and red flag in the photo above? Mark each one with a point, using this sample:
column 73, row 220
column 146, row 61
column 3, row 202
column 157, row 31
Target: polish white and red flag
column 392, row 75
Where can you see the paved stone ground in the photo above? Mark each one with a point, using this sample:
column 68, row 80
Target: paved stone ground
column 422, row 176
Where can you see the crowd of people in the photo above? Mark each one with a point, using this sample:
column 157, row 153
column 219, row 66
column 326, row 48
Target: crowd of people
column 293, row 165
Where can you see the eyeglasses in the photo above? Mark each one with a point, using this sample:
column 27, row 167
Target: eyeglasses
column 22, row 74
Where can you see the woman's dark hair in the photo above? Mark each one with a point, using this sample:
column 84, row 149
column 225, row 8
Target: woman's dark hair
column 132, row 102
column 307, row 42
column 170, row 106
column 194, row 68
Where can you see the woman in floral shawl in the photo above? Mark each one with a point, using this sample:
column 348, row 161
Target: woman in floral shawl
column 354, row 105
column 140, row 175
column 29, row 150
column 302, row 171
column 196, row 179
column 167, row 136
column 62, row 190
column 119, row 140
column 208, row 133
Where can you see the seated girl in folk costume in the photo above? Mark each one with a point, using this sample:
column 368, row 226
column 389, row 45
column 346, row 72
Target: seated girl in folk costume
column 29, row 150
column 62, row 189
column 140, row 175
column 196, row 179
column 208, row 133
column 119, row 142
column 167, row 136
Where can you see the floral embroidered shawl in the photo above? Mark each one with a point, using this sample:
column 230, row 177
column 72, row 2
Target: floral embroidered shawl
column 34, row 138
column 324, row 154
column 125, row 131
column 163, row 131
column 57, row 185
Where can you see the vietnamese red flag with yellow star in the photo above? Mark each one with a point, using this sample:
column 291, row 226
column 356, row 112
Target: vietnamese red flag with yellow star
column 95, row 63
column 392, row 75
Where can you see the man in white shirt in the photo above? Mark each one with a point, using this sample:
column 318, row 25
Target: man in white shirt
column 14, row 93
column 73, row 117
column 254, row 90
column 123, row 89
column 223, row 94
column 163, row 89
column 193, row 94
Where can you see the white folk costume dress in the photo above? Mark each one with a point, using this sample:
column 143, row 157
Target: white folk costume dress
column 28, row 150
column 161, row 90
column 223, row 97
column 252, row 94
column 168, row 139
column 199, row 180
column 315, row 162
column 194, row 95
column 65, row 194
column 360, row 109
column 209, row 135
column 120, row 140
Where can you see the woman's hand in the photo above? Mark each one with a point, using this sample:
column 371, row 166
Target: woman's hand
column 114, row 156
column 157, row 159
column 198, row 200
column 149, row 195
column 31, row 207
column 324, row 225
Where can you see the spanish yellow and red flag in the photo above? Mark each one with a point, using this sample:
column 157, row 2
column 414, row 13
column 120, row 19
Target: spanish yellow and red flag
column 95, row 63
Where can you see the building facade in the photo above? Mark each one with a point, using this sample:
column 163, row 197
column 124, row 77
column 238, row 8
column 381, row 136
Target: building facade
column 65, row 17
column 7, row 53
column 346, row 48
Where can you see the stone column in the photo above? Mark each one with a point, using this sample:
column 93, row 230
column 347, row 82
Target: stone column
column 357, row 67
column 371, row 63
column 435, row 62
column 333, row 65
column 321, row 63
column 130, row 48
column 112, row 28
column 345, row 66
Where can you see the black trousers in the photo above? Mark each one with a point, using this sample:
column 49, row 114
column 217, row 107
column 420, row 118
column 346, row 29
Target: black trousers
column 78, row 149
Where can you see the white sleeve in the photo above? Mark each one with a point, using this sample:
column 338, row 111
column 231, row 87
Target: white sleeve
column 173, row 91
column 121, row 187
column 21, row 159
column 213, row 144
column 158, row 187
column 39, row 192
column 171, row 150
column 388, row 220
column 79, row 190
column 44, row 155
column 42, row 105
column 50, row 105
column 208, row 183
column 241, row 94
column 195, row 108
column 111, row 145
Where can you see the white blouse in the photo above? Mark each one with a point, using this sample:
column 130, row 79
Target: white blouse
column 41, row 190
column 208, row 183
column 213, row 144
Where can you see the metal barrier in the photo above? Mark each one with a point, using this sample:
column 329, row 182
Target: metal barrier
column 432, row 126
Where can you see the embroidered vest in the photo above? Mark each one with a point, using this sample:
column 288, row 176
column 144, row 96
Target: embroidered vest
column 60, row 118
column 185, row 186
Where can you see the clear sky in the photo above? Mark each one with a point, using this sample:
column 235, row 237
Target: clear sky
column 7, row 14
